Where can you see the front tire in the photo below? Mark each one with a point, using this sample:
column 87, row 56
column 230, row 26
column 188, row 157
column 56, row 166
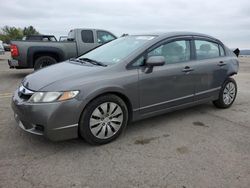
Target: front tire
column 103, row 119
column 227, row 94
column 44, row 61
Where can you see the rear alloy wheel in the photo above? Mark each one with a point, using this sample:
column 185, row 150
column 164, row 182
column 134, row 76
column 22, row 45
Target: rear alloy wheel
column 103, row 119
column 44, row 61
column 227, row 94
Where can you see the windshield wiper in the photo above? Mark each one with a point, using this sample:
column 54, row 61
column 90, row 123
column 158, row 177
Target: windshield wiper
column 77, row 60
column 92, row 61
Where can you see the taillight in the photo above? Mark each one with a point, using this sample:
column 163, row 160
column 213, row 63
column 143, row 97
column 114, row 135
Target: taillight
column 14, row 50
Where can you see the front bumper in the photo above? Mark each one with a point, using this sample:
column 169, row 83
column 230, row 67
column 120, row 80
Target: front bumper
column 55, row 121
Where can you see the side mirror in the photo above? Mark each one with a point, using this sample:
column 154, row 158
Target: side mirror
column 237, row 52
column 155, row 61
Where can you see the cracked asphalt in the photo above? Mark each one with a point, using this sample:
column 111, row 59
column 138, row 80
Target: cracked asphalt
column 197, row 147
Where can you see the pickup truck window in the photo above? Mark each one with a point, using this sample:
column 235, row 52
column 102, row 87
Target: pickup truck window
column 87, row 36
column 71, row 35
column 103, row 37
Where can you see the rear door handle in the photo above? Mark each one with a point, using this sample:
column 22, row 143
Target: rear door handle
column 187, row 69
column 221, row 63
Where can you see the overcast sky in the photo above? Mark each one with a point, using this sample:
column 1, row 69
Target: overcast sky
column 228, row 20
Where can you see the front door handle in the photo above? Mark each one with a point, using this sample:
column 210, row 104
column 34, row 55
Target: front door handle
column 221, row 63
column 187, row 69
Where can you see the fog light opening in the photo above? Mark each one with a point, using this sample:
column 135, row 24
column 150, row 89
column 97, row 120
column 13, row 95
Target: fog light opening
column 39, row 128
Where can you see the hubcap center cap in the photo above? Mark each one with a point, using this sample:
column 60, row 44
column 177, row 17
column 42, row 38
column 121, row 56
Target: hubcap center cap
column 106, row 120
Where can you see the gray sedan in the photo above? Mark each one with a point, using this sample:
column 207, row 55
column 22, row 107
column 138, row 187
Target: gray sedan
column 131, row 78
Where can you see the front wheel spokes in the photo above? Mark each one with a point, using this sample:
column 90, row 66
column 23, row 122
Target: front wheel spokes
column 113, row 108
column 116, row 113
column 106, row 120
column 97, row 114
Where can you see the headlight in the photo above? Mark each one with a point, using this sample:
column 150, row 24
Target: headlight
column 40, row 97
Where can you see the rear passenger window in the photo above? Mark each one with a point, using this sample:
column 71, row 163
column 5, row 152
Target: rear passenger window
column 222, row 51
column 87, row 36
column 206, row 49
column 174, row 52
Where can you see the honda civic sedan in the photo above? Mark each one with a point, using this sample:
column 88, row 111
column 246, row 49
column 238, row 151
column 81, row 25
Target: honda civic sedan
column 134, row 77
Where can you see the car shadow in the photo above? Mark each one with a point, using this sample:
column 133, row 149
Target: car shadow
column 132, row 129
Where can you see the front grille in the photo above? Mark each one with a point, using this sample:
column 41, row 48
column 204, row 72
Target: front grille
column 24, row 93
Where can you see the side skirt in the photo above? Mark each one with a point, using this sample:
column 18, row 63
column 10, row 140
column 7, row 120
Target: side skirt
column 171, row 109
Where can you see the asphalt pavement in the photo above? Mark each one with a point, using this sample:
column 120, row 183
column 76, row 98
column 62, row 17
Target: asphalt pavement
column 198, row 147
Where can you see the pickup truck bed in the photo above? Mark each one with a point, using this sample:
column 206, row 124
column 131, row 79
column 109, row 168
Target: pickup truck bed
column 58, row 50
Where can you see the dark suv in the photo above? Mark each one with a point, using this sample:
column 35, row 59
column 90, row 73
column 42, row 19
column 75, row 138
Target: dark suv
column 130, row 78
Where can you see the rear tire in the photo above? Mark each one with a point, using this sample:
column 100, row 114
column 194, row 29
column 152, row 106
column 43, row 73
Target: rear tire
column 227, row 94
column 103, row 119
column 44, row 61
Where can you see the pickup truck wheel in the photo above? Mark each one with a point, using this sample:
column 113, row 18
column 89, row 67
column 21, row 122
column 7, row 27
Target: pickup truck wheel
column 103, row 119
column 44, row 61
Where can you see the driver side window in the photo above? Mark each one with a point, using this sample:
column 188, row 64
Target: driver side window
column 139, row 62
column 104, row 37
column 174, row 52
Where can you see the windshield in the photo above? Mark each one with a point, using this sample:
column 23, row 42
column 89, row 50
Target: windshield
column 116, row 50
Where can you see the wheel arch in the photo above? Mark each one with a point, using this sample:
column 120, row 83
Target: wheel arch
column 233, row 68
column 231, row 74
column 113, row 92
column 36, row 52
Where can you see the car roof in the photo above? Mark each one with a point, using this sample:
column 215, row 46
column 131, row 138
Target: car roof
column 178, row 33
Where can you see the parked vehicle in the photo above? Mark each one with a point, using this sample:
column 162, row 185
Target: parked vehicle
column 40, row 37
column 6, row 47
column 1, row 48
column 38, row 54
column 130, row 78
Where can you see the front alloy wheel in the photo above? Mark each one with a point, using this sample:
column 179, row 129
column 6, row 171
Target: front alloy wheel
column 106, row 120
column 103, row 119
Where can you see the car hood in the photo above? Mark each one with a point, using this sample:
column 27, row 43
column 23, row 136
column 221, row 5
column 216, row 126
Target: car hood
column 59, row 73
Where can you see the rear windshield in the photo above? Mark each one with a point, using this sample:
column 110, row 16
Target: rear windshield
column 71, row 35
column 116, row 50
